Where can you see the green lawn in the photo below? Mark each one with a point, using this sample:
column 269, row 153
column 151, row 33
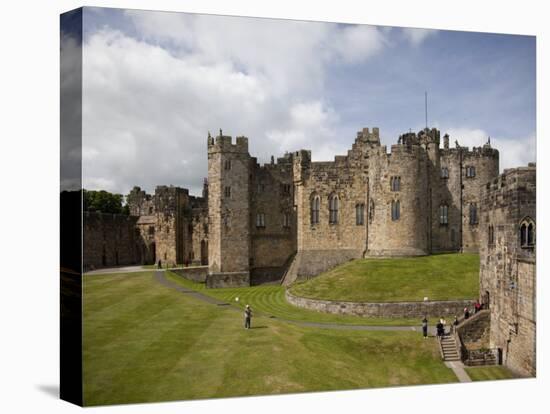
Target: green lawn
column 145, row 342
column 438, row 277
column 269, row 300
column 489, row 373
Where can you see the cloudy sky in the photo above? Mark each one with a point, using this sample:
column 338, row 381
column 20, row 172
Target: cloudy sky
column 155, row 83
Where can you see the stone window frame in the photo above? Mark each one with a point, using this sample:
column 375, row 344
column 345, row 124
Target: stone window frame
column 470, row 171
column 333, row 208
column 444, row 172
column 444, row 214
column 395, row 183
column 227, row 191
column 360, row 214
column 472, row 213
column 260, row 220
column 227, row 165
column 285, row 189
column 527, row 233
column 395, row 210
column 315, row 207
column 286, row 219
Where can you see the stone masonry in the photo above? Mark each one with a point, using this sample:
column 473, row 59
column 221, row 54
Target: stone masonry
column 507, row 240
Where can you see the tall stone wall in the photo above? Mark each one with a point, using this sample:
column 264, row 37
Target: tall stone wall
column 228, row 208
column 406, row 235
column 507, row 269
column 272, row 216
column 109, row 240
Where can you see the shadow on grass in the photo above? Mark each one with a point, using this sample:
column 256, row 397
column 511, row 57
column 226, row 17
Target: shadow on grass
column 258, row 327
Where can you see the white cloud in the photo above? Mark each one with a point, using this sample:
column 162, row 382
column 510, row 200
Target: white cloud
column 417, row 36
column 149, row 102
column 513, row 151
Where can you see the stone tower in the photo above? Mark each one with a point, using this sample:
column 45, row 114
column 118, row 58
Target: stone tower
column 228, row 211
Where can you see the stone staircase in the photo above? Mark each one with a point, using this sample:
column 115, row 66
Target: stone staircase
column 449, row 348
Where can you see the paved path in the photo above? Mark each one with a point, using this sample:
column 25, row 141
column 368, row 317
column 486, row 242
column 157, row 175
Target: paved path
column 458, row 369
column 160, row 277
column 123, row 269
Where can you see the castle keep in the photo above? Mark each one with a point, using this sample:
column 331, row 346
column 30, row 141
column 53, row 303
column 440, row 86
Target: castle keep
column 295, row 218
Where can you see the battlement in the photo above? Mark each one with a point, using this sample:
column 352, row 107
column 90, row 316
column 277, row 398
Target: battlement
column 513, row 178
column 224, row 143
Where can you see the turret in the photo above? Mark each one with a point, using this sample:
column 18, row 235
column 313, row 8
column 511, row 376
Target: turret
column 228, row 211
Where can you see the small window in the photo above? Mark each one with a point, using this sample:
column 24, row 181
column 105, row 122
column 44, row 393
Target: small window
column 151, row 230
column 395, row 210
column 444, row 172
column 333, row 209
column 286, row 189
column 260, row 220
column 395, row 183
column 360, row 214
column 227, row 192
column 150, row 210
column 315, row 206
column 227, row 165
column 286, row 220
column 491, row 235
column 226, row 221
column 444, row 214
column 261, row 187
column 470, row 171
column 473, row 214
column 371, row 211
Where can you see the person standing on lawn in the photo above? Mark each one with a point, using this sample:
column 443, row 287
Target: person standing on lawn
column 247, row 316
column 425, row 327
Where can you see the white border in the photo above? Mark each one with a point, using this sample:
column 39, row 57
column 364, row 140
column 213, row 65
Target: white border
column 29, row 210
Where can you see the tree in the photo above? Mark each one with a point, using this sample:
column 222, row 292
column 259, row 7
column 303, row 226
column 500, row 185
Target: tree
column 104, row 202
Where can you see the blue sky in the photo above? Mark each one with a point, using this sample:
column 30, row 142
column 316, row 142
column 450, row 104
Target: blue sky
column 155, row 83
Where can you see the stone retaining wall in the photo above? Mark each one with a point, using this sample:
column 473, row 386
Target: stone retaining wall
column 228, row 279
column 195, row 273
column 433, row 309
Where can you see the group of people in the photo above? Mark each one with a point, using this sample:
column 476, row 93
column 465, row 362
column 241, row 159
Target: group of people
column 440, row 327
column 442, row 323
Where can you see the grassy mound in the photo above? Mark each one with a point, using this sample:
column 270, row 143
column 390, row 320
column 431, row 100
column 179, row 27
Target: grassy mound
column 438, row 277
column 269, row 300
column 145, row 342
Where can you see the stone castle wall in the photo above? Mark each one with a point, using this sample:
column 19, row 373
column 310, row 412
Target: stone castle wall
column 433, row 309
column 109, row 240
column 507, row 269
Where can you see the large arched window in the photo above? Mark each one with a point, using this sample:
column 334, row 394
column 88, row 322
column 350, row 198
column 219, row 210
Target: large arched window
column 333, row 209
column 315, row 205
column 527, row 232
column 473, row 213
column 395, row 210
column 443, row 214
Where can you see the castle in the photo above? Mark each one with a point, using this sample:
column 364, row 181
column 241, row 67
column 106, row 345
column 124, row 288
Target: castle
column 294, row 218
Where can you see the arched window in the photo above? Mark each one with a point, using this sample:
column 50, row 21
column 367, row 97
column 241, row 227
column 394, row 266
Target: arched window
column 333, row 209
column 444, row 172
column 360, row 214
column 315, row 205
column 443, row 214
column 395, row 210
column 473, row 213
column 395, row 183
column 527, row 233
